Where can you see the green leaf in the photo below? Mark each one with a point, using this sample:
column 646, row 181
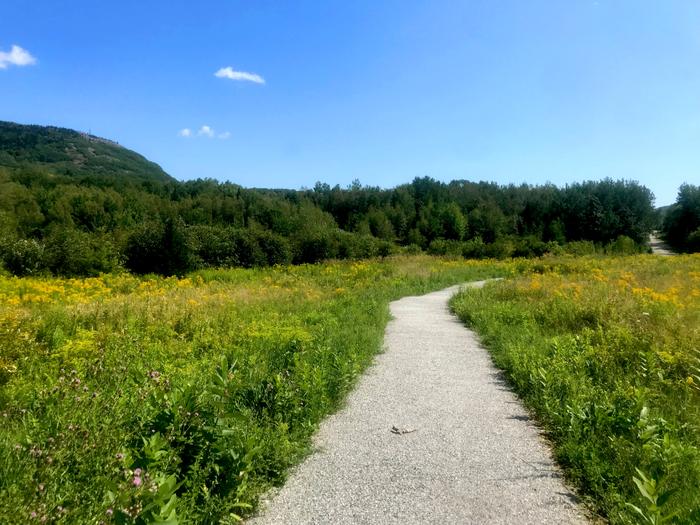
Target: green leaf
column 638, row 510
column 644, row 413
column 169, row 507
column 643, row 487
column 167, row 487
column 171, row 519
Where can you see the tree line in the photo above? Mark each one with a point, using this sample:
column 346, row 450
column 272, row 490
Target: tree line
column 681, row 222
column 84, row 225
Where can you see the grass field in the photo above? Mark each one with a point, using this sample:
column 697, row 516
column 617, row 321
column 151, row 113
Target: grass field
column 146, row 400
column 606, row 352
column 141, row 400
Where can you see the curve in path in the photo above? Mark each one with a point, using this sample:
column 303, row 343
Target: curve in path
column 658, row 246
column 470, row 453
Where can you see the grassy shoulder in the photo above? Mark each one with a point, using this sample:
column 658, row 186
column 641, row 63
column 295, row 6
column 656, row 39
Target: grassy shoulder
column 141, row 400
column 606, row 351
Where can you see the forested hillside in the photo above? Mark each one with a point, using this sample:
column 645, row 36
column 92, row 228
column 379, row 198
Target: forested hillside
column 81, row 157
column 74, row 204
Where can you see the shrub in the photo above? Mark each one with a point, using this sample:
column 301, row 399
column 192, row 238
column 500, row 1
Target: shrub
column 22, row 256
column 163, row 248
column 694, row 241
column 580, row 248
column 274, row 248
column 412, row 249
column 623, row 245
column 314, row 246
column 356, row 245
column 500, row 249
column 385, row 248
column 445, row 247
column 73, row 252
column 144, row 249
column 214, row 247
column 474, row 248
column 529, row 246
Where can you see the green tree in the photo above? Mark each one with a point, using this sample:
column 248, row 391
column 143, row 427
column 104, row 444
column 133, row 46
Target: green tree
column 454, row 223
column 682, row 220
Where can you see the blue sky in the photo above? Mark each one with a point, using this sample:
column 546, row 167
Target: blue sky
column 507, row 91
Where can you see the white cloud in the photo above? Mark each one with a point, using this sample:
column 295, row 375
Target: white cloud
column 205, row 131
column 16, row 57
column 230, row 73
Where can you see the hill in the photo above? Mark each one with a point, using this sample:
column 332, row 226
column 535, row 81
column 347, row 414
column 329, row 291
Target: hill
column 70, row 153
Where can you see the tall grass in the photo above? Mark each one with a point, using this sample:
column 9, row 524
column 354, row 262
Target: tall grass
column 606, row 351
column 152, row 400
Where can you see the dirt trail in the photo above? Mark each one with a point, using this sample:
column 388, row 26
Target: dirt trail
column 658, row 246
column 431, row 434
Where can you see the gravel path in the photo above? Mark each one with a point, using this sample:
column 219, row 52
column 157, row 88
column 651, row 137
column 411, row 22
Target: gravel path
column 471, row 456
column 658, row 246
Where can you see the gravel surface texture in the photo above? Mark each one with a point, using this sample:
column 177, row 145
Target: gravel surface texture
column 658, row 246
column 465, row 452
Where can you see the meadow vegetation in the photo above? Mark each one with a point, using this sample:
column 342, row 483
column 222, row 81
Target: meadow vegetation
column 129, row 399
column 606, row 353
